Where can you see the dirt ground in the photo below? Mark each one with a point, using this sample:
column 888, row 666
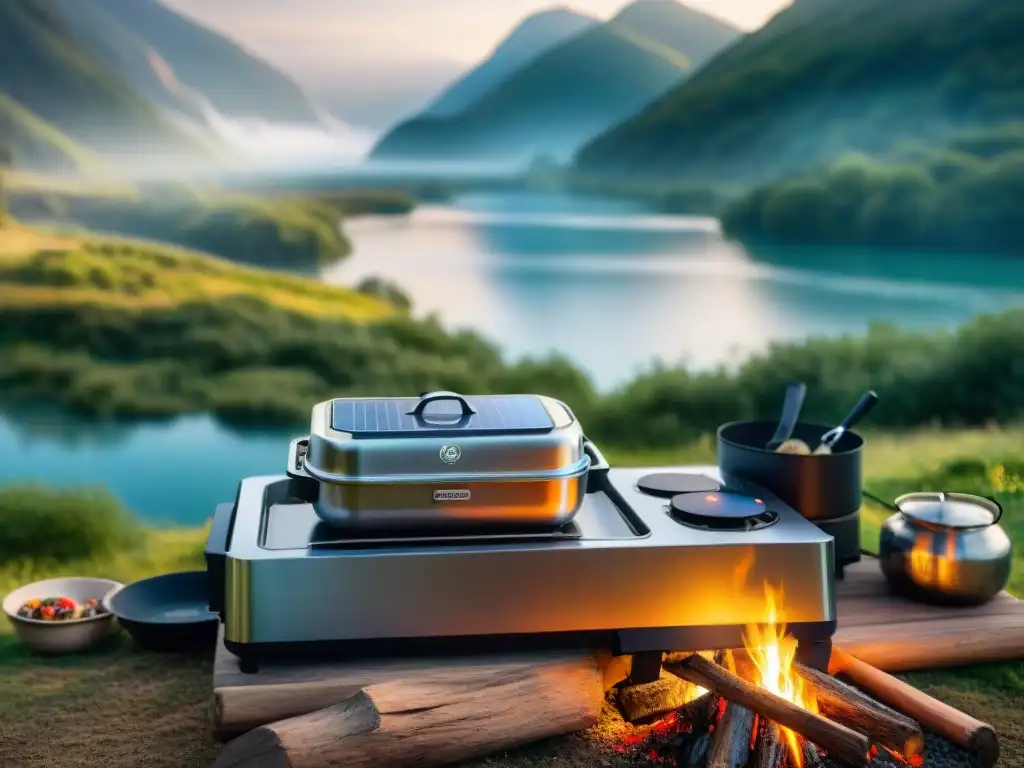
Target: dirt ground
column 124, row 708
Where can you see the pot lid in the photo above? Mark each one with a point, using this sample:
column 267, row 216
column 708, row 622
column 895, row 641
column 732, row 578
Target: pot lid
column 949, row 510
column 441, row 413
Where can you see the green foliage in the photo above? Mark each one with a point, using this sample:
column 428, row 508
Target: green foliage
column 967, row 197
column 822, row 79
column 385, row 290
column 293, row 233
column 60, row 525
column 249, row 360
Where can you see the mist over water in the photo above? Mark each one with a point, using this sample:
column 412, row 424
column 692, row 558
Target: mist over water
column 298, row 147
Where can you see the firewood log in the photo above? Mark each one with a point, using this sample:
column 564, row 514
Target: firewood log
column 730, row 742
column 811, row 755
column 695, row 752
column 769, row 749
column 960, row 728
column 428, row 722
column 839, row 741
column 844, row 704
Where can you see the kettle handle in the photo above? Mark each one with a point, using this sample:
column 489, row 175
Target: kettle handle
column 999, row 510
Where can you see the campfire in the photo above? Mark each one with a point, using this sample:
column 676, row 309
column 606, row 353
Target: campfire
column 760, row 708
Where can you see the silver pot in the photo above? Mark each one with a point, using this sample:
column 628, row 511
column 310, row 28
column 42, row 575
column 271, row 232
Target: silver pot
column 945, row 547
column 444, row 460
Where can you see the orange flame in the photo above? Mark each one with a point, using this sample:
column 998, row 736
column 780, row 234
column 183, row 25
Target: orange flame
column 773, row 652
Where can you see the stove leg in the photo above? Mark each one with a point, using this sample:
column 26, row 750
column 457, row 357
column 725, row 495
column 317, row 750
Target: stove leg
column 645, row 667
column 248, row 666
column 815, row 654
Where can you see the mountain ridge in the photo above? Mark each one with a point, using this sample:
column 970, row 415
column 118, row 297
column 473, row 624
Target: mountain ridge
column 48, row 74
column 820, row 80
column 533, row 35
column 561, row 98
column 237, row 82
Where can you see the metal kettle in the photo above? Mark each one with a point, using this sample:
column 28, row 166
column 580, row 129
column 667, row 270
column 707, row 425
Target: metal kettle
column 945, row 547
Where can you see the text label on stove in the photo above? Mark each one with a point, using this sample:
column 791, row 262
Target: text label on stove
column 452, row 495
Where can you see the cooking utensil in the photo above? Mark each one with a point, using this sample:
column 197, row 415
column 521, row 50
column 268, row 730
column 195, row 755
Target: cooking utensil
column 818, row 487
column 167, row 613
column 791, row 405
column 68, row 635
column 445, row 460
column 945, row 547
column 859, row 411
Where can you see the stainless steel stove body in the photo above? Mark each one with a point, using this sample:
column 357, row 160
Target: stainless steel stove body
column 627, row 573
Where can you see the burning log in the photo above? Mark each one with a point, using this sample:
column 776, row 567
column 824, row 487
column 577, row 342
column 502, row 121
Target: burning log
column 846, row 705
column 430, row 722
column 839, row 741
column 730, row 742
column 961, row 729
column 769, row 751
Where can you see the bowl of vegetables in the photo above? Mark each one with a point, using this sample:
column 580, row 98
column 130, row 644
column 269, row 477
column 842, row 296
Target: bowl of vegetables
column 61, row 615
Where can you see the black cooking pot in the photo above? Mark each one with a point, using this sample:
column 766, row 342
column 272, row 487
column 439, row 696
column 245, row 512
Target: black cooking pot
column 822, row 487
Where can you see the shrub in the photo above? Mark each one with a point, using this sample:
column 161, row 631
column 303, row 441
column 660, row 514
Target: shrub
column 60, row 525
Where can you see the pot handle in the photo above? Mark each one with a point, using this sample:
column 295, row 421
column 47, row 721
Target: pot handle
column 598, row 467
column 887, row 504
column 999, row 510
column 297, row 458
column 433, row 397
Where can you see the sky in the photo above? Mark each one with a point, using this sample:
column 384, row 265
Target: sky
column 409, row 47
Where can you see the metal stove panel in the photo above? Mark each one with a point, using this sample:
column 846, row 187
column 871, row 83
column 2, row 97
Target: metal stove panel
column 613, row 577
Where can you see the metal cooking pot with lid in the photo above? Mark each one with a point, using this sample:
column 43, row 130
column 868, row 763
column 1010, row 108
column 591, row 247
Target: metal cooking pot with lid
column 945, row 547
column 445, row 460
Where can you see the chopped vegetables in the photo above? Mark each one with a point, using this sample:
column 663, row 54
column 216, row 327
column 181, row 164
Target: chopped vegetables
column 59, row 609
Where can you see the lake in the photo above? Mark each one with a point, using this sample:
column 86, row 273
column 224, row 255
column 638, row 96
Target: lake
column 614, row 287
column 606, row 283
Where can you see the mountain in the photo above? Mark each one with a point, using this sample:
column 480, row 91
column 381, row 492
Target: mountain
column 667, row 22
column 235, row 82
column 824, row 78
column 126, row 55
column 568, row 93
column 533, row 36
column 35, row 144
column 48, row 74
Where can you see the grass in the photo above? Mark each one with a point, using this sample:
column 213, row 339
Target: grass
column 47, row 268
column 146, row 709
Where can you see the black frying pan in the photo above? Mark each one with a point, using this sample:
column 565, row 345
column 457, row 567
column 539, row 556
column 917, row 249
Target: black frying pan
column 167, row 613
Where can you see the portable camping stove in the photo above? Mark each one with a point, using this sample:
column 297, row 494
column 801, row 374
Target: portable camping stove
column 656, row 560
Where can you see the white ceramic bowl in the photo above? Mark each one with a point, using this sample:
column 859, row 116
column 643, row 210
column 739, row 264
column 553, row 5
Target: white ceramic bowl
column 68, row 636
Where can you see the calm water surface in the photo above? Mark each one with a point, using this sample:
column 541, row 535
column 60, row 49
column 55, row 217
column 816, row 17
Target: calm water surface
column 615, row 288
column 603, row 282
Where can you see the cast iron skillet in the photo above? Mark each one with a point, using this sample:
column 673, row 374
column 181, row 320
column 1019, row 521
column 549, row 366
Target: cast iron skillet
column 167, row 613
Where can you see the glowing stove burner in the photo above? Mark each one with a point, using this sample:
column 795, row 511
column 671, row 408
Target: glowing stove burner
column 721, row 511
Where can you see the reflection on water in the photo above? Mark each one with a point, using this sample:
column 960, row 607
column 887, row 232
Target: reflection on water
column 614, row 287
